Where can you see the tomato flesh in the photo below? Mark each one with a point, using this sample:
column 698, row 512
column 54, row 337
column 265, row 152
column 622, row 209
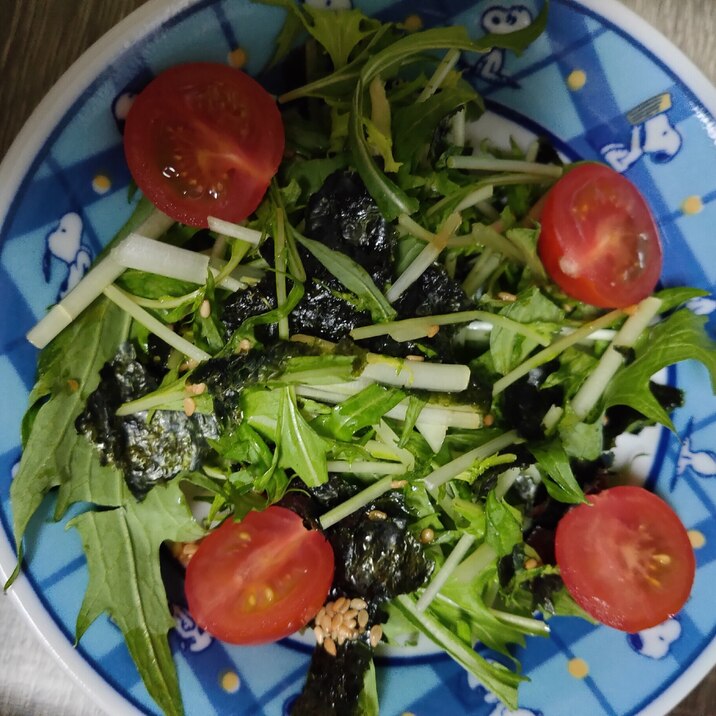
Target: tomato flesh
column 260, row 579
column 626, row 558
column 204, row 140
column 599, row 242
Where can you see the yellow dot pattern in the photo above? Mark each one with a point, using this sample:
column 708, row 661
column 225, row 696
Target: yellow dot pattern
column 692, row 205
column 697, row 539
column 229, row 681
column 237, row 58
column 413, row 23
column 101, row 184
column 576, row 80
column 578, row 668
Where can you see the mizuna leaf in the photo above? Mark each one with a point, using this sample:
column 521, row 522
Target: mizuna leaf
column 300, row 447
column 122, row 550
column 391, row 199
column 55, row 454
column 679, row 337
column 353, row 276
column 560, row 481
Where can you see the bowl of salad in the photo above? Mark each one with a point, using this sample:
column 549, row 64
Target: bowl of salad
column 378, row 371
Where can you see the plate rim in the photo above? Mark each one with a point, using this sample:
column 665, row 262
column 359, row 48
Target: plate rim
column 23, row 152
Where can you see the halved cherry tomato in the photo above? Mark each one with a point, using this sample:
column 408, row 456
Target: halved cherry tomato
column 626, row 558
column 260, row 579
column 204, row 140
column 599, row 242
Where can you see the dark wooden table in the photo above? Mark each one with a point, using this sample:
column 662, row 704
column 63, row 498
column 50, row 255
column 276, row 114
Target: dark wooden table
column 39, row 39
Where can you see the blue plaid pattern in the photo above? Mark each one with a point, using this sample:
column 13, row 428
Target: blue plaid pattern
column 585, row 84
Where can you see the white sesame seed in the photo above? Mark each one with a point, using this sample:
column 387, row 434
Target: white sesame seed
column 330, row 646
column 205, row 309
column 320, row 634
column 358, row 603
column 362, row 618
column 376, row 634
column 427, row 535
column 189, row 407
column 336, row 622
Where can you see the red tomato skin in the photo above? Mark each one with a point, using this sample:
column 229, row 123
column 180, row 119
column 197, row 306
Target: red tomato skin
column 599, row 242
column 229, row 577
column 596, row 550
column 209, row 124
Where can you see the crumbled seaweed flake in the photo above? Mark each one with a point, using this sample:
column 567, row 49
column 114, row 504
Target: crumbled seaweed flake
column 147, row 450
column 377, row 559
column 227, row 376
column 344, row 217
column 334, row 683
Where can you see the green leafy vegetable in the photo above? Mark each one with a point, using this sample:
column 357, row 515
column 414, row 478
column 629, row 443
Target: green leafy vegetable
column 69, row 372
column 503, row 524
column 559, row 478
column 679, row 337
column 122, row 549
column 353, row 276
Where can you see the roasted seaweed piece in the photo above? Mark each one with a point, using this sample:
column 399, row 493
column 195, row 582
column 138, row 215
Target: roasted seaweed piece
column 432, row 294
column 334, row 683
column 377, row 559
column 343, row 216
column 147, row 451
column 525, row 402
column 227, row 376
column 253, row 301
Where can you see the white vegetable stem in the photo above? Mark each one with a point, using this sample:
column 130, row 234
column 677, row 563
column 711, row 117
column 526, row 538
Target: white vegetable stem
column 366, row 467
column 62, row 314
column 442, row 377
column 412, row 227
column 451, row 563
column 455, row 416
column 280, row 265
column 441, row 72
column 611, row 360
column 155, row 326
column 156, row 224
column 489, row 164
column 90, row 287
column 424, row 259
column 458, row 127
column 434, row 433
column 453, row 468
column 411, row 329
column 475, row 197
column 144, row 254
column 478, row 561
column 554, row 349
column 363, row 498
column 235, row 231
column 445, row 416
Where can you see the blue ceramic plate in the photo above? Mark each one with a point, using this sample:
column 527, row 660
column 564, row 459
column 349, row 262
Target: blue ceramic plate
column 602, row 85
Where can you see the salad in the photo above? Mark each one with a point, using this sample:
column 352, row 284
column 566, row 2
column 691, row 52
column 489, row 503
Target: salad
column 390, row 366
